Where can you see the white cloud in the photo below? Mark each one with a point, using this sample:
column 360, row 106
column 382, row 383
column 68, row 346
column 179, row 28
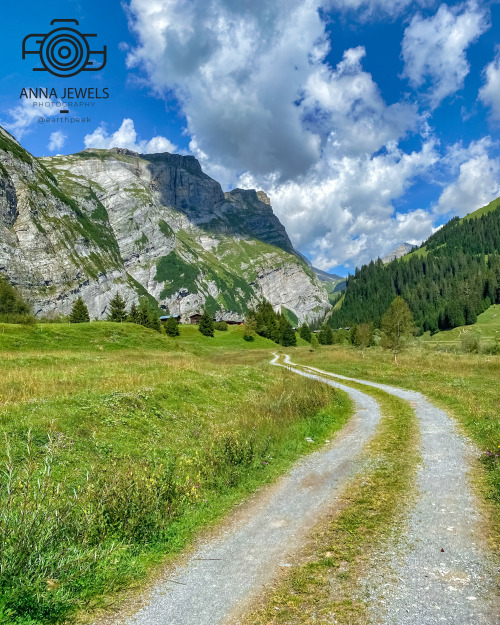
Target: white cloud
column 264, row 109
column 26, row 113
column 489, row 94
column 376, row 9
column 434, row 48
column 126, row 137
column 342, row 211
column 57, row 140
column 477, row 182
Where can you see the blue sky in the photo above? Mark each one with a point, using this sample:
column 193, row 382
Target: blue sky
column 368, row 122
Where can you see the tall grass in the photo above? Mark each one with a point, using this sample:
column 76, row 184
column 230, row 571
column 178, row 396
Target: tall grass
column 97, row 486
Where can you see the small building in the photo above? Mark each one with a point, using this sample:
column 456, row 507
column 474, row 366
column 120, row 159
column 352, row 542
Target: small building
column 195, row 319
column 165, row 318
column 235, row 322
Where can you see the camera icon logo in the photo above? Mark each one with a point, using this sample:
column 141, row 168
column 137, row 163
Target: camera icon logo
column 64, row 51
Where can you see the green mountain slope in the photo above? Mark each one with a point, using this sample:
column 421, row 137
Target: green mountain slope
column 448, row 281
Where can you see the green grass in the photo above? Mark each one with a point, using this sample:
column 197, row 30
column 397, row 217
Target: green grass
column 483, row 210
column 106, row 336
column 487, row 327
column 466, row 386
column 120, row 444
column 324, row 588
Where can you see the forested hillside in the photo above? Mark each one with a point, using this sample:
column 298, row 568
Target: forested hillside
column 447, row 282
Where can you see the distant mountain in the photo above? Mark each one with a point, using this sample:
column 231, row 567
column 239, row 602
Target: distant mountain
column 450, row 279
column 401, row 250
column 332, row 283
column 150, row 226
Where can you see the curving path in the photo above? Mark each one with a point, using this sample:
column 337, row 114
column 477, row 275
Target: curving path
column 439, row 571
column 226, row 572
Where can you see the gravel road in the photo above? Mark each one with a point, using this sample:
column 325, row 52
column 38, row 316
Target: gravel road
column 227, row 571
column 439, row 571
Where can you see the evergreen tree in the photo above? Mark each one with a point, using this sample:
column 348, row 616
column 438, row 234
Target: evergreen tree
column 325, row 336
column 206, row 326
column 117, row 309
column 288, row 337
column 314, row 341
column 250, row 328
column 305, row 332
column 79, row 312
column 133, row 316
column 172, row 327
column 145, row 316
column 397, row 326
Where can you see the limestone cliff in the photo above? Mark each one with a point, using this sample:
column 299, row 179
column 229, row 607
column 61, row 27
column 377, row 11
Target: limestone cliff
column 153, row 225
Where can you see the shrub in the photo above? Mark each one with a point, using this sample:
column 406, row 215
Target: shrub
column 221, row 326
column 13, row 309
column 470, row 343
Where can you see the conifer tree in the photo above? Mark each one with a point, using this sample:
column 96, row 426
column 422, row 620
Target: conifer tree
column 117, row 309
column 314, row 342
column 133, row 315
column 325, row 336
column 305, row 332
column 287, row 335
column 206, row 326
column 79, row 312
column 172, row 327
column 143, row 313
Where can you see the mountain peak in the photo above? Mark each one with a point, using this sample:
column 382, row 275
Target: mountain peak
column 399, row 251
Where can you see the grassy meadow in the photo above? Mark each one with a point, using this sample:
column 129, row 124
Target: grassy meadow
column 120, row 443
column 465, row 385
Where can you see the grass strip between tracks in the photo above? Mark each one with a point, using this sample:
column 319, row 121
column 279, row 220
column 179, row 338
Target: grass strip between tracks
column 324, row 586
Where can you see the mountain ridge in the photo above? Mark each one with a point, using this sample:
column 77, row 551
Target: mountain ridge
column 154, row 226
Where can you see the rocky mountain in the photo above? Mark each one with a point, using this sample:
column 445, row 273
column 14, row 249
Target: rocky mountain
column 401, row 250
column 152, row 226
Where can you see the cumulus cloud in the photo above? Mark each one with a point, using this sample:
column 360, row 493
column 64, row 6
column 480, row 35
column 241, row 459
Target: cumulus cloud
column 57, row 140
column 477, row 180
column 434, row 48
column 26, row 113
column 489, row 94
column 265, row 109
column 342, row 211
column 126, row 137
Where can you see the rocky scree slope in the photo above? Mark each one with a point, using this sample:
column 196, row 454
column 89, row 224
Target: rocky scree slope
column 151, row 225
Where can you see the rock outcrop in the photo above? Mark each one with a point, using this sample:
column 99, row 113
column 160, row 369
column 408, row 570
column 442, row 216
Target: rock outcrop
column 153, row 226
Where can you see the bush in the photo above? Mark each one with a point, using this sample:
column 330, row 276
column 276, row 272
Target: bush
column 471, row 343
column 221, row 326
column 248, row 337
column 13, row 309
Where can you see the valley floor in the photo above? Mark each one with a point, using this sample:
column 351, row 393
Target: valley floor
column 137, row 441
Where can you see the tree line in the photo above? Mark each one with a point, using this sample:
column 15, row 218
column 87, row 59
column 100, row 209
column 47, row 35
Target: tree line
column 453, row 278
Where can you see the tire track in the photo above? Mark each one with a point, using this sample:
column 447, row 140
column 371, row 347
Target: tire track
column 225, row 573
column 439, row 571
